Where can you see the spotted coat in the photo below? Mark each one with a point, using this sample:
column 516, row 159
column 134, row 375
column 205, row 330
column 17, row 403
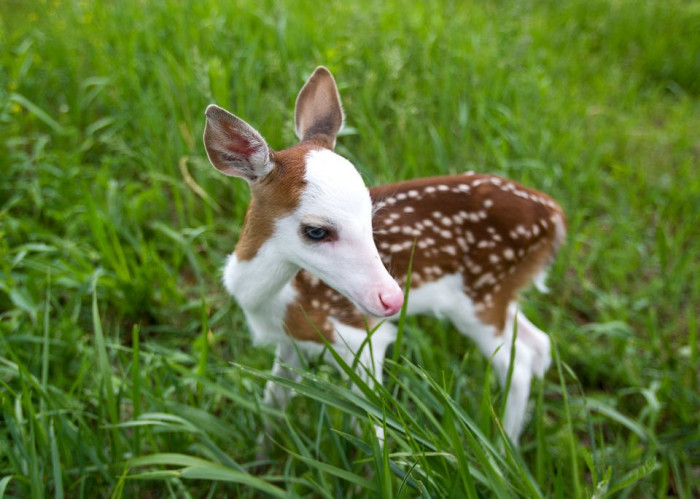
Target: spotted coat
column 495, row 233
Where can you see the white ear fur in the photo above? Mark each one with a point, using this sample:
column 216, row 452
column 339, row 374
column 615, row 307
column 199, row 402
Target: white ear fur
column 318, row 114
column 234, row 147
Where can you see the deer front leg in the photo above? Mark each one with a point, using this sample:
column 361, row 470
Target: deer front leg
column 286, row 361
column 368, row 353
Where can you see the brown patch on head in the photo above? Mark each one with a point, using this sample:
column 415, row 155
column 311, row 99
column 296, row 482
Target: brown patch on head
column 272, row 197
column 316, row 303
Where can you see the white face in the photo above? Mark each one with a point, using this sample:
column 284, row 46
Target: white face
column 330, row 235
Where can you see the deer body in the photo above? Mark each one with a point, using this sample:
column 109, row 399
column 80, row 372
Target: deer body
column 315, row 246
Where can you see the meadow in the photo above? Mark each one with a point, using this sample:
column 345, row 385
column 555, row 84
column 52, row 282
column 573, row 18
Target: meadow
column 126, row 370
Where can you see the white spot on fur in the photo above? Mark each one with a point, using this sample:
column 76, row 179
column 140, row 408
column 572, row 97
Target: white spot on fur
column 483, row 280
column 450, row 250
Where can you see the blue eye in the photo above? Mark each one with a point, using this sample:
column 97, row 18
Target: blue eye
column 315, row 233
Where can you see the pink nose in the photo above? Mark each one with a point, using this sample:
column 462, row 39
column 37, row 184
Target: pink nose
column 392, row 301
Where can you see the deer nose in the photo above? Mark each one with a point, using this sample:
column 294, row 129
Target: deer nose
column 391, row 301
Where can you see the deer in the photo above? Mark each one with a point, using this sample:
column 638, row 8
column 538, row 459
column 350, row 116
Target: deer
column 322, row 259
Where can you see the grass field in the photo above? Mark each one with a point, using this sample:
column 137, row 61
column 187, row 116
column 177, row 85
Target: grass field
column 125, row 369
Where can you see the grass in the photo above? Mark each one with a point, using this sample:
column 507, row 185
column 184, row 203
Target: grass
column 125, row 369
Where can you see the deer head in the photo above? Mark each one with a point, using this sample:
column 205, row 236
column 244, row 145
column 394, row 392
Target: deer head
column 309, row 207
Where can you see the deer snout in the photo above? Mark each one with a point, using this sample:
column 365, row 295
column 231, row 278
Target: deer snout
column 391, row 301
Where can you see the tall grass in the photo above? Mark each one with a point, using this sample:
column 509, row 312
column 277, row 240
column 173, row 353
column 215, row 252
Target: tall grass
column 125, row 369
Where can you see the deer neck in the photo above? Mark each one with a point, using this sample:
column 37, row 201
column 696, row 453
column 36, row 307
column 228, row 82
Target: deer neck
column 257, row 274
column 260, row 284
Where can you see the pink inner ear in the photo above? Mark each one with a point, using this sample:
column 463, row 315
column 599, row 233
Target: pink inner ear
column 236, row 142
column 240, row 146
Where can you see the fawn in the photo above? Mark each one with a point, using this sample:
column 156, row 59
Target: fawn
column 315, row 245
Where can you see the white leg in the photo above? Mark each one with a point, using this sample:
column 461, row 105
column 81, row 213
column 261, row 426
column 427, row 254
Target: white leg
column 286, row 357
column 516, row 404
column 536, row 339
column 487, row 339
column 353, row 342
column 370, row 355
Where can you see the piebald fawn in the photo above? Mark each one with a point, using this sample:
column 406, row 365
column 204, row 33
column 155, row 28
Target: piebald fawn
column 316, row 245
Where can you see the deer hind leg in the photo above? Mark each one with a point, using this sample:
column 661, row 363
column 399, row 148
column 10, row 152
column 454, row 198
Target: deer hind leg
column 534, row 337
column 518, row 395
column 498, row 345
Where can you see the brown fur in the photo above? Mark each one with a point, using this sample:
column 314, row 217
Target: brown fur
column 272, row 197
column 502, row 215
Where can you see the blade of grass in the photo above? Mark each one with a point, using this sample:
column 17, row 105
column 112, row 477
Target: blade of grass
column 569, row 422
column 4, row 482
column 56, row 463
column 46, row 344
column 402, row 316
column 633, row 476
column 136, row 385
column 104, row 368
column 348, row 476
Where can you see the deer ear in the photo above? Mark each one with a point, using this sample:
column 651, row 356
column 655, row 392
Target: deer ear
column 234, row 147
column 318, row 114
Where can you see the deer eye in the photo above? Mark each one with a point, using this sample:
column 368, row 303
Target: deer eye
column 314, row 233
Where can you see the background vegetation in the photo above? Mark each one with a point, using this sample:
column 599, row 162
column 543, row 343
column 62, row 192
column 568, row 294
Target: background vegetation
column 124, row 367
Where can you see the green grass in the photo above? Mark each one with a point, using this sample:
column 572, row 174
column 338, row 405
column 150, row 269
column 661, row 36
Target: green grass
column 125, row 369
